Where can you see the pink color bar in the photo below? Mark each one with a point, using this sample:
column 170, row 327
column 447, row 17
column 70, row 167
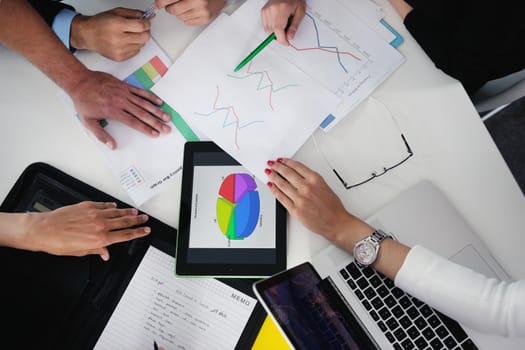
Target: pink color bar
column 159, row 66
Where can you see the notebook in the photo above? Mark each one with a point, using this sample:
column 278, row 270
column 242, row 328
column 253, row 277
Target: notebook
column 344, row 306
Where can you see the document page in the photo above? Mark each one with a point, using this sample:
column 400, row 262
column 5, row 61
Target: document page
column 336, row 48
column 176, row 313
column 143, row 166
column 266, row 110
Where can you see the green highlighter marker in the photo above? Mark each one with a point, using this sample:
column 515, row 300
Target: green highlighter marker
column 254, row 53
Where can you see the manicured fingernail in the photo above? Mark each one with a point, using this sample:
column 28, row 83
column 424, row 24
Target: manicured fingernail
column 166, row 117
column 134, row 211
column 269, row 184
column 147, row 230
column 104, row 257
column 279, row 160
column 154, row 133
column 267, row 171
column 144, row 217
column 166, row 129
column 270, row 162
column 110, row 145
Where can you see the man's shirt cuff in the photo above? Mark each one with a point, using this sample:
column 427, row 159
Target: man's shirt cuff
column 62, row 25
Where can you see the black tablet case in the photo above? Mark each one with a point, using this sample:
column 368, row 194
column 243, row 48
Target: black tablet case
column 57, row 302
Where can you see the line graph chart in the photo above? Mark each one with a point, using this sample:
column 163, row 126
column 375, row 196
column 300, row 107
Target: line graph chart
column 329, row 49
column 265, row 82
column 323, row 43
column 231, row 117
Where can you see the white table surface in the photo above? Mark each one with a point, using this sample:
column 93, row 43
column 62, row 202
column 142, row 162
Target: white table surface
column 451, row 145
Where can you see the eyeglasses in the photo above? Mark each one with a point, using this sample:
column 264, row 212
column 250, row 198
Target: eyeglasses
column 374, row 174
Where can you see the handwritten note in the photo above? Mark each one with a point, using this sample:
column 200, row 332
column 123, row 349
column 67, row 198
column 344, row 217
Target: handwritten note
column 177, row 313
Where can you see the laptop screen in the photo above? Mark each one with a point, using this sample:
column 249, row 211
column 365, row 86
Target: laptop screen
column 310, row 311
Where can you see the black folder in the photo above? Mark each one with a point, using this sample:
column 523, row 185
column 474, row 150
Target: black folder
column 58, row 302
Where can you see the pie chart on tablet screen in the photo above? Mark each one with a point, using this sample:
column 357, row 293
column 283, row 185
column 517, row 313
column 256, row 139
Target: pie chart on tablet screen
column 238, row 206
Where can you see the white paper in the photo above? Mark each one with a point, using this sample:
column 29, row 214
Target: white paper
column 144, row 166
column 336, row 48
column 266, row 110
column 177, row 313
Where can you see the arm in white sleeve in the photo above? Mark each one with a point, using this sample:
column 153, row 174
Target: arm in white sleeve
column 479, row 302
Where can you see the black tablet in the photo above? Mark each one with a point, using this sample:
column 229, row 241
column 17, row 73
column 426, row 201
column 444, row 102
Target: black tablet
column 230, row 224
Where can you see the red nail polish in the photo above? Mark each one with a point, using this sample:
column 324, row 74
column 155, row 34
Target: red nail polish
column 279, row 160
column 270, row 162
column 269, row 184
column 267, row 171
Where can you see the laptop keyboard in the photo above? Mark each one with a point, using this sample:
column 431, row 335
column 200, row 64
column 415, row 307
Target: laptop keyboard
column 407, row 322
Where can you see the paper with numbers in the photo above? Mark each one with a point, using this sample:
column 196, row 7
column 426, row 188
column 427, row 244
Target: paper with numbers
column 176, row 313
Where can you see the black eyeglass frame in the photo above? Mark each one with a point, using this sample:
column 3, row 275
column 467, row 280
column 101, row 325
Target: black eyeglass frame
column 374, row 174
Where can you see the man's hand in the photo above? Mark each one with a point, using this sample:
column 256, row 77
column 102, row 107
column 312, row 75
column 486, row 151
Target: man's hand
column 80, row 229
column 192, row 12
column 117, row 34
column 100, row 95
column 275, row 15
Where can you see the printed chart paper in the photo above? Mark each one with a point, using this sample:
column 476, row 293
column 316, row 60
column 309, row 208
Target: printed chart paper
column 266, row 110
column 336, row 48
column 144, row 166
column 177, row 313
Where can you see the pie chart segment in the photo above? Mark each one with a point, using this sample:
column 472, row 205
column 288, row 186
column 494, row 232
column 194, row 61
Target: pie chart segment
column 238, row 206
column 247, row 214
column 224, row 211
column 227, row 189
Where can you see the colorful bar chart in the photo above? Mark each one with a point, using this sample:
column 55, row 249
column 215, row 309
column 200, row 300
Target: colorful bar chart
column 145, row 77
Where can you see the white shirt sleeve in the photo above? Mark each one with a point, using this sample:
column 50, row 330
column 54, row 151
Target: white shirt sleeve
column 479, row 302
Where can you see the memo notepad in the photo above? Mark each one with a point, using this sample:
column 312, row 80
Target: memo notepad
column 176, row 313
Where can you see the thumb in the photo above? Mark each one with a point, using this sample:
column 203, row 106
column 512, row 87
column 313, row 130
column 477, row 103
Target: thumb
column 103, row 252
column 97, row 129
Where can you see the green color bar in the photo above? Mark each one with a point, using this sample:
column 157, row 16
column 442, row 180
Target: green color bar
column 143, row 77
column 176, row 118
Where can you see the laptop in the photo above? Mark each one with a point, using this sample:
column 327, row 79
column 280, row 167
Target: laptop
column 333, row 304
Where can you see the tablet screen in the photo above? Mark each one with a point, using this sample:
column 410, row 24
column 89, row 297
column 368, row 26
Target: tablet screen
column 230, row 222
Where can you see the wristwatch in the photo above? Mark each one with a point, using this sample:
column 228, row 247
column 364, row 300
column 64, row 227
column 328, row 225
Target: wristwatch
column 366, row 250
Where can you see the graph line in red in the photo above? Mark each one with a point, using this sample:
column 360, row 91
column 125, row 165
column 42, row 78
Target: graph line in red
column 230, row 110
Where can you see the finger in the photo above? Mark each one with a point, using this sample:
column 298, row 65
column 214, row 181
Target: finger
column 296, row 20
column 128, row 13
column 146, row 95
column 117, row 213
column 135, row 25
column 99, row 205
column 139, row 100
column 127, row 234
column 94, row 126
column 163, row 3
column 145, row 117
column 132, row 38
column 281, row 197
column 280, row 35
column 196, row 17
column 289, row 174
column 180, row 7
column 123, row 222
column 283, row 185
column 104, row 253
column 298, row 167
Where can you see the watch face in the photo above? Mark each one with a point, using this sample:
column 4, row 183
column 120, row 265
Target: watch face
column 365, row 253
